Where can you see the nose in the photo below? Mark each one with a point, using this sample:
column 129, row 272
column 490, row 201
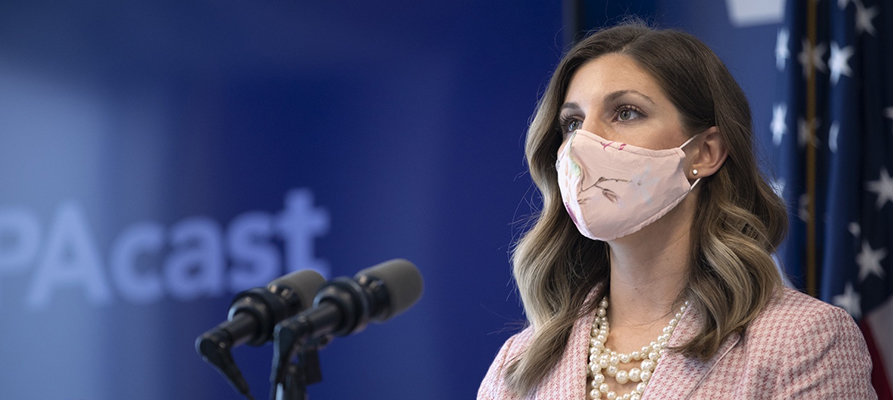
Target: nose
column 597, row 127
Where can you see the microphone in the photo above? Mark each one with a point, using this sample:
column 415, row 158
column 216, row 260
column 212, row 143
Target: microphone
column 345, row 306
column 252, row 316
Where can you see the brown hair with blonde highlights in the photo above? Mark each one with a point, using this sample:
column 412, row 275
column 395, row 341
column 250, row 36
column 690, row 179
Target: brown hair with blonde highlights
column 738, row 224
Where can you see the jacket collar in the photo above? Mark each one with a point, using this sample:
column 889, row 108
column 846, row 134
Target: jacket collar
column 677, row 376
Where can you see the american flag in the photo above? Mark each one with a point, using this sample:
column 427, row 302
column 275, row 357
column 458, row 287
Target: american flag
column 831, row 148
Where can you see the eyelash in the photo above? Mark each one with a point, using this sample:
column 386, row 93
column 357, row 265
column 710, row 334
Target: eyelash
column 565, row 121
column 627, row 107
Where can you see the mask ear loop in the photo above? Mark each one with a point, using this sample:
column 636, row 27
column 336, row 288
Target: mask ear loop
column 688, row 141
column 680, row 148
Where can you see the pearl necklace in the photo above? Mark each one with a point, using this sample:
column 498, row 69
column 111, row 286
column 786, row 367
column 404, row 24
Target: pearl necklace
column 602, row 358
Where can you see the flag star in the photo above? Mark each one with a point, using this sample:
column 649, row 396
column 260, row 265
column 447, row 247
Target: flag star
column 869, row 261
column 864, row 17
column 778, row 186
column 854, row 229
column 832, row 136
column 839, row 62
column 811, row 56
column 778, row 126
column 781, row 49
column 803, row 211
column 849, row 301
column 842, row 4
column 806, row 132
column 883, row 187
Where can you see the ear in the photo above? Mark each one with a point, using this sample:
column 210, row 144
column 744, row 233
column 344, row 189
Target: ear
column 706, row 154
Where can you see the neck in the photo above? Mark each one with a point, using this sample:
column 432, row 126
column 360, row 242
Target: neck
column 649, row 269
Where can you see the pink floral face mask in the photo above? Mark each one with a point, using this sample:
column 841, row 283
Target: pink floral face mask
column 613, row 189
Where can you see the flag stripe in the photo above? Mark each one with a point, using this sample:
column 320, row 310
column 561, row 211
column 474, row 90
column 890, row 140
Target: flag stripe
column 879, row 369
column 881, row 324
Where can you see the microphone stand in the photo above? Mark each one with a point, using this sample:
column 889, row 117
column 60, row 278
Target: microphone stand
column 341, row 307
column 296, row 359
column 305, row 371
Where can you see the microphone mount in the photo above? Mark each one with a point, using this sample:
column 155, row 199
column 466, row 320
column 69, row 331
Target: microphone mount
column 342, row 307
column 263, row 307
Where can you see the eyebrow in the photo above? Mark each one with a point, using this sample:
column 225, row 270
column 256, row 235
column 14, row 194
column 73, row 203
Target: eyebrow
column 620, row 93
column 611, row 97
column 569, row 106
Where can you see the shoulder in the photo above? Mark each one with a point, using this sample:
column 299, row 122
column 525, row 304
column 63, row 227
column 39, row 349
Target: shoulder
column 792, row 317
column 817, row 348
column 493, row 386
column 791, row 311
column 513, row 347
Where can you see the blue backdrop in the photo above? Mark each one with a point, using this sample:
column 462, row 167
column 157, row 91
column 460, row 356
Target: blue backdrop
column 158, row 157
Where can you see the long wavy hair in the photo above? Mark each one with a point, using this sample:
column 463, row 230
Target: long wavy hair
column 739, row 221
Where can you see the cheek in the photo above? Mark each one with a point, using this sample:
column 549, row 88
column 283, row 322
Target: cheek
column 651, row 135
column 666, row 136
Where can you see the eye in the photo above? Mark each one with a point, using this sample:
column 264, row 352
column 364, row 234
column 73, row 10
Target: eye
column 569, row 124
column 626, row 113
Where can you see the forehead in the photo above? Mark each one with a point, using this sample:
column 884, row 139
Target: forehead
column 610, row 73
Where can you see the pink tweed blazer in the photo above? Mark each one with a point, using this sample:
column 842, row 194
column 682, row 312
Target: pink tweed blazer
column 797, row 348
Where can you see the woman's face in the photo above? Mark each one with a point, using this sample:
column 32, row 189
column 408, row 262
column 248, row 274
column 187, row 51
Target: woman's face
column 614, row 98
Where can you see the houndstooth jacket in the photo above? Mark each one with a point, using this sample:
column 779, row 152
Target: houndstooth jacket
column 797, row 348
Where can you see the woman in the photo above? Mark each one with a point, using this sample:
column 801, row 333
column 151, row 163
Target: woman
column 648, row 273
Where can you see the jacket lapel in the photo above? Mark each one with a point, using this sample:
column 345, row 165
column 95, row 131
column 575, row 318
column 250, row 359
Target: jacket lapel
column 677, row 376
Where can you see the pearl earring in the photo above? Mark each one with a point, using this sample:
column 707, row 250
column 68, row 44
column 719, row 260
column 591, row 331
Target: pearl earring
column 694, row 172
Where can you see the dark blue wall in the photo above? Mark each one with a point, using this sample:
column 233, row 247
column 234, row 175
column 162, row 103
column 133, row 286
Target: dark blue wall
column 158, row 157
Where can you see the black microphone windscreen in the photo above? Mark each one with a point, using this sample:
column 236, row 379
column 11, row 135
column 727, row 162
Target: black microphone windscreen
column 401, row 279
column 305, row 282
